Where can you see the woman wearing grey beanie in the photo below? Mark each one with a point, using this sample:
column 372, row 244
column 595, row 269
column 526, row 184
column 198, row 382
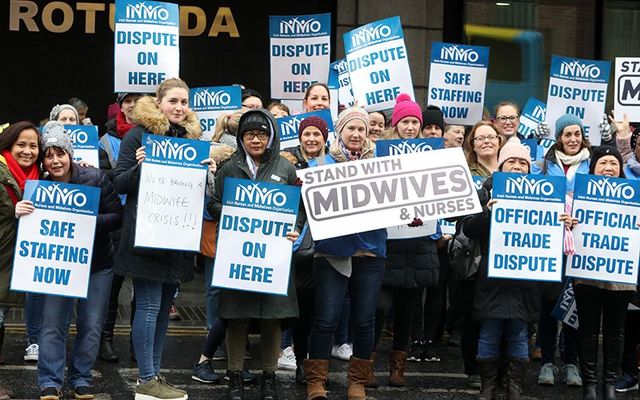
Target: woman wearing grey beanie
column 66, row 114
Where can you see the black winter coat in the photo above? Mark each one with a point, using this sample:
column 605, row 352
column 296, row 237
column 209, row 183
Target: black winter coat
column 412, row 263
column 158, row 265
column 498, row 298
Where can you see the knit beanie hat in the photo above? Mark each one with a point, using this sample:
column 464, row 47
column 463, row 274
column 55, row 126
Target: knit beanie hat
column 514, row 149
column 122, row 96
column 405, row 108
column 57, row 109
column 432, row 116
column 634, row 139
column 566, row 120
column 349, row 114
column 253, row 121
column 602, row 151
column 314, row 121
column 54, row 135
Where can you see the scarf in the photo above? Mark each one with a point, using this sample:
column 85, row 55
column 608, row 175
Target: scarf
column 21, row 175
column 340, row 153
column 572, row 161
column 633, row 164
column 569, row 245
column 122, row 126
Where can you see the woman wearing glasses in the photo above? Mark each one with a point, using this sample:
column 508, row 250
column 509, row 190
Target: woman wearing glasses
column 507, row 120
column 482, row 147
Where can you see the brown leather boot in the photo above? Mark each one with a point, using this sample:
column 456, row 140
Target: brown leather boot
column 359, row 369
column 396, row 368
column 372, row 381
column 316, row 372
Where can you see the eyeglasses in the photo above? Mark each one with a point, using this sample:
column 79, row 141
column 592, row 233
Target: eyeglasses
column 504, row 118
column 490, row 138
column 251, row 106
column 256, row 134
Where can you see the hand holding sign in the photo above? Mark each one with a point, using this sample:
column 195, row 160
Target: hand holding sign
column 569, row 222
column 622, row 127
column 24, row 207
column 140, row 155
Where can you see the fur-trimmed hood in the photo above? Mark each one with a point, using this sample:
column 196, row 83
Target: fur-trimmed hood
column 220, row 153
column 147, row 113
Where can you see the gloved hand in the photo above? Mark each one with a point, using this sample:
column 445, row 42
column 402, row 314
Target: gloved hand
column 605, row 129
column 542, row 131
column 415, row 223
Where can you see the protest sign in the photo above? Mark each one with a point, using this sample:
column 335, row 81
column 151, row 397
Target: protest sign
column 345, row 93
column 300, row 53
column 457, row 79
column 407, row 146
column 358, row 196
column 334, row 91
column 211, row 102
column 147, row 48
column 566, row 309
column 253, row 252
column 627, row 89
column 526, row 232
column 378, row 64
column 532, row 114
column 289, row 127
column 54, row 244
column 171, row 193
column 578, row 87
column 607, row 237
column 85, row 143
column 532, row 145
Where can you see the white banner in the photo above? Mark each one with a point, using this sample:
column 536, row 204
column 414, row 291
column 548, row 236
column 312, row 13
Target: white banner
column 627, row 88
column 360, row 196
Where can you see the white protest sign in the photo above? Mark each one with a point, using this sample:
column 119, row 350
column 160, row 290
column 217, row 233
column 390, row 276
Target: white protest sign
column 378, row 64
column 345, row 93
column 147, row 48
column 171, row 193
column 85, row 143
column 457, row 79
column 289, row 127
column 211, row 102
column 627, row 88
column 532, row 114
column 578, row 87
column 253, row 252
column 526, row 232
column 300, row 52
column 607, row 237
column 408, row 146
column 54, row 244
column 359, row 196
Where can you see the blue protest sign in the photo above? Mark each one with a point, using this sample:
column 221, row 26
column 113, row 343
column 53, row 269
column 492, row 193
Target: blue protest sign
column 85, row 143
column 54, row 244
column 526, row 232
column 532, row 145
column 532, row 114
column 566, row 309
column 395, row 147
column 253, row 252
column 289, row 127
column 607, row 237
column 211, row 102
column 345, row 93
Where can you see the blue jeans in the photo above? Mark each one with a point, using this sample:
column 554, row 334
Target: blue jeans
column 33, row 316
column 56, row 317
column 150, row 323
column 213, row 293
column 330, row 289
column 514, row 332
column 343, row 331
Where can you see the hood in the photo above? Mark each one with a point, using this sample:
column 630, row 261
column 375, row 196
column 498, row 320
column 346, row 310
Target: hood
column 272, row 151
column 147, row 114
column 220, row 153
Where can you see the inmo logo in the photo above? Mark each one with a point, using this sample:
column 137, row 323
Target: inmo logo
column 369, row 34
column 298, row 25
column 408, row 148
column 78, row 136
column 143, row 11
column 290, row 128
column 175, row 151
column 254, row 194
column 455, row 53
column 539, row 113
column 522, row 185
column 56, row 195
column 607, row 188
column 342, row 66
column 206, row 98
column 575, row 68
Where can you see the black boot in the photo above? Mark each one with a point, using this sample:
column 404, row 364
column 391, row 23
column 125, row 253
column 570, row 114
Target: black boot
column 516, row 377
column 588, row 365
column 488, row 370
column 236, row 389
column 613, row 346
column 106, row 352
column 268, row 387
column 300, row 378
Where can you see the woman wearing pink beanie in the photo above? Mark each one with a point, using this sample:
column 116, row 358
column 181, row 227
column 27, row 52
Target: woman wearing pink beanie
column 406, row 119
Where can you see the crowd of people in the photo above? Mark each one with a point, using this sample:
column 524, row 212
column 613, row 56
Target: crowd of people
column 343, row 293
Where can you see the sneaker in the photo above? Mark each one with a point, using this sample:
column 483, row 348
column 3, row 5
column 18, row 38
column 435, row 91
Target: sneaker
column 342, row 352
column 287, row 360
column 474, row 381
column 429, row 353
column 572, row 375
column 83, row 393
column 220, row 354
column 50, row 393
column 203, row 372
column 174, row 315
column 626, row 383
column 31, row 352
column 247, row 377
column 546, row 375
column 164, row 381
column 155, row 389
column 415, row 352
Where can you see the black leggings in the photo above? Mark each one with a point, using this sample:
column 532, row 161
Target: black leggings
column 403, row 300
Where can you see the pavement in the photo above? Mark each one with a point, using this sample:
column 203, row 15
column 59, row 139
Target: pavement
column 439, row 380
